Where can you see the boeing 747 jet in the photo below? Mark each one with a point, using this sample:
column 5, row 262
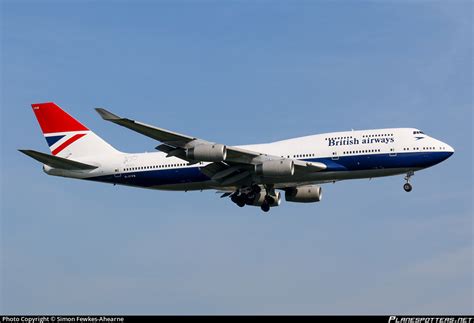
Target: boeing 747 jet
column 248, row 175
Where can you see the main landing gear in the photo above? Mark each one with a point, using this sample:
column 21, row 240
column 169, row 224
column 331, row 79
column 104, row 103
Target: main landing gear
column 239, row 199
column 407, row 186
column 265, row 207
column 270, row 198
column 256, row 196
column 267, row 202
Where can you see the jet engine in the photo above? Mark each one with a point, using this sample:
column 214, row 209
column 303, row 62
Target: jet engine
column 276, row 168
column 304, row 194
column 206, row 152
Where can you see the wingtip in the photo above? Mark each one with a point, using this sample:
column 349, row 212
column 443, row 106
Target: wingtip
column 106, row 115
column 27, row 152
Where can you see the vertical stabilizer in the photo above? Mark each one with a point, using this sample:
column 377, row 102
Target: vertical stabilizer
column 67, row 137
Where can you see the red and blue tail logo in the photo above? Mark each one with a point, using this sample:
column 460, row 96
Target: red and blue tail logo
column 59, row 128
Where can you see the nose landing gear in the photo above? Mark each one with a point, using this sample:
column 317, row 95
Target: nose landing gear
column 407, row 186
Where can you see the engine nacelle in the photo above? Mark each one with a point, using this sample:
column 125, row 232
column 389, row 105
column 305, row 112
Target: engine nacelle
column 209, row 153
column 276, row 168
column 260, row 197
column 304, row 194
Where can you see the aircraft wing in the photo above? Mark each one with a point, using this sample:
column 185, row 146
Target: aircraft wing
column 237, row 160
column 163, row 135
column 173, row 140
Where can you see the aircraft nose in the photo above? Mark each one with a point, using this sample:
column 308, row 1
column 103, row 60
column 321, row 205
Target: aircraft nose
column 449, row 150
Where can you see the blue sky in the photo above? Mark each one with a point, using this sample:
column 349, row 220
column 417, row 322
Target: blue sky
column 237, row 72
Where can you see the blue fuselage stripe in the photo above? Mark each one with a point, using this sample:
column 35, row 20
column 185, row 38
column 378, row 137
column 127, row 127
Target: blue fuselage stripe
column 157, row 177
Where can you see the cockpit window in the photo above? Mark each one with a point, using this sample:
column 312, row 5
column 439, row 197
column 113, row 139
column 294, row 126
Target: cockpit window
column 418, row 132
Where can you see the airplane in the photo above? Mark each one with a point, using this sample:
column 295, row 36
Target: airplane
column 249, row 175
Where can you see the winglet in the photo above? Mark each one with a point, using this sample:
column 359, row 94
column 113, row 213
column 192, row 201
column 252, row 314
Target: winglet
column 106, row 115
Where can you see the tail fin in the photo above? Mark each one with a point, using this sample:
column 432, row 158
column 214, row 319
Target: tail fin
column 67, row 137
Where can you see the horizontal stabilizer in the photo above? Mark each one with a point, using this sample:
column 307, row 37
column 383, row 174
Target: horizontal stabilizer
column 56, row 162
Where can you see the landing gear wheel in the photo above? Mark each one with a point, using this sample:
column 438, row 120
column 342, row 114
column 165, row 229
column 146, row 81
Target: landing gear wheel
column 238, row 199
column 265, row 207
column 407, row 187
column 270, row 200
column 234, row 198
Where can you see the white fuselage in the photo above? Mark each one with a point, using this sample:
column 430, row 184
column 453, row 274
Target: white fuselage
column 348, row 155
